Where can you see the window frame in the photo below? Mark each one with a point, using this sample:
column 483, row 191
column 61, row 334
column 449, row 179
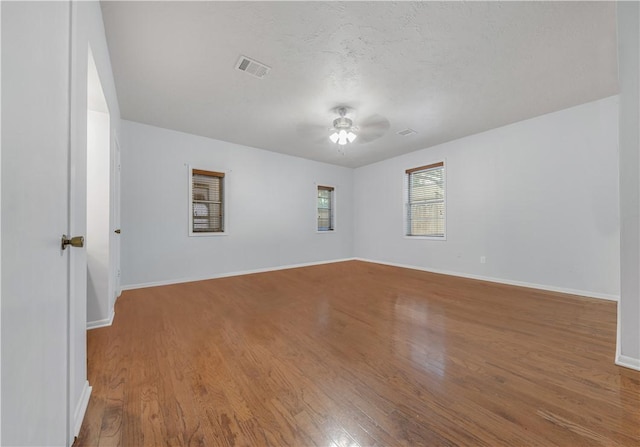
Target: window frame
column 405, row 198
column 222, row 175
column 332, row 209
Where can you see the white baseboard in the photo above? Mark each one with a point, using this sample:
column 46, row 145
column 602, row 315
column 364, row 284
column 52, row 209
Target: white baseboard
column 628, row 362
column 226, row 275
column 81, row 408
column 102, row 323
column 618, row 335
column 589, row 294
column 442, row 272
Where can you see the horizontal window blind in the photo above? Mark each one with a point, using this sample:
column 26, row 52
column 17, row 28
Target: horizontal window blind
column 325, row 208
column 207, row 201
column 426, row 201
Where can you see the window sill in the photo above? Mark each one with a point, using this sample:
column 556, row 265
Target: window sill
column 428, row 238
column 208, row 234
column 325, row 231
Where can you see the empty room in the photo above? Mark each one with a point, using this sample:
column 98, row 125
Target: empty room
column 318, row 223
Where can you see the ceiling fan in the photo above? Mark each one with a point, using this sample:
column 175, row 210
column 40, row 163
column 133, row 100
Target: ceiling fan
column 343, row 129
column 346, row 129
column 345, row 132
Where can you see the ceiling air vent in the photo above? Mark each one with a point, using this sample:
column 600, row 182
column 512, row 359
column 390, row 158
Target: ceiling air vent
column 252, row 67
column 407, row 132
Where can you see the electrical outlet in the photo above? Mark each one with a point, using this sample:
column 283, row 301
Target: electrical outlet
column 483, row 259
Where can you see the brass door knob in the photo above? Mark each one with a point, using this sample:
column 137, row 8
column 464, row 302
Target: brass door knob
column 77, row 241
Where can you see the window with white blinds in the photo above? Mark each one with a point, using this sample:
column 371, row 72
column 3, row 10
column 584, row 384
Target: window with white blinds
column 325, row 208
column 207, row 202
column 426, row 201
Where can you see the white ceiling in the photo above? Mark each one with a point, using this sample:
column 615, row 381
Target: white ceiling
column 444, row 69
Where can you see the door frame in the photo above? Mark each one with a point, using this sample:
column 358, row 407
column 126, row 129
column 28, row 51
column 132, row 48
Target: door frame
column 78, row 389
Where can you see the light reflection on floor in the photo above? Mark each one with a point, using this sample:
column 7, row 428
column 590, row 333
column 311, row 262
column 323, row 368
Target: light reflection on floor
column 420, row 334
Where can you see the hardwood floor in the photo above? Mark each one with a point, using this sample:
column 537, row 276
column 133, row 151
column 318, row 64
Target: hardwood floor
column 358, row 354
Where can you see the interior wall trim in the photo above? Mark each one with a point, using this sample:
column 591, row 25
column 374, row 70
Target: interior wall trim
column 225, row 275
column 81, row 408
column 603, row 296
column 628, row 362
column 101, row 323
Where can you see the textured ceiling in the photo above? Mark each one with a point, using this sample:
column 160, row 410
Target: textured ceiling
column 444, row 69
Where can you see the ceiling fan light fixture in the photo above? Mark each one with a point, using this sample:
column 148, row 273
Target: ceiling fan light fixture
column 342, row 137
column 343, row 129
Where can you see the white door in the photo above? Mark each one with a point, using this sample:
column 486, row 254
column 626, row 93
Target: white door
column 35, row 189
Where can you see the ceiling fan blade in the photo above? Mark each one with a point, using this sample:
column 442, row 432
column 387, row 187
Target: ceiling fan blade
column 372, row 128
column 377, row 122
column 312, row 131
column 315, row 133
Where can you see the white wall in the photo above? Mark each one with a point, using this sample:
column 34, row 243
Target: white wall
column 271, row 208
column 629, row 74
column 538, row 198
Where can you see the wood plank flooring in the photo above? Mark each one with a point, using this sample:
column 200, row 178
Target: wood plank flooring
column 358, row 354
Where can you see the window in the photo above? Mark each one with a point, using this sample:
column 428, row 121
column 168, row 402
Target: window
column 325, row 208
column 426, row 201
column 207, row 202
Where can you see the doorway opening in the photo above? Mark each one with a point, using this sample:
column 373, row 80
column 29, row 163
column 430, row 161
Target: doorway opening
column 100, row 283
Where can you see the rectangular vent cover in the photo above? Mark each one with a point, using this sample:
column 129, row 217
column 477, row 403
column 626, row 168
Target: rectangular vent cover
column 252, row 67
column 406, row 132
